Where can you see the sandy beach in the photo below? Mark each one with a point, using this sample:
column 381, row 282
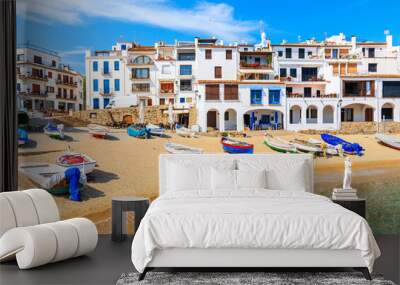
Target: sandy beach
column 129, row 166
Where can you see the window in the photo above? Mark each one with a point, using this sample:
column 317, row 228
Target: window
column 50, row 89
column 20, row 57
column 182, row 100
column 106, row 101
column 142, row 60
column 71, row 94
column 309, row 53
column 282, row 72
column 53, row 63
column 208, row 54
column 116, row 65
column 185, row 70
column 293, row 72
column 335, row 53
column 212, row 91
column 185, row 85
column 274, row 97
column 391, row 89
column 301, row 52
column 312, row 113
column 19, row 87
column 226, row 116
column 309, row 74
column 231, row 92
column 387, row 114
column 140, row 73
column 307, row 91
column 96, row 104
column 106, row 86
column 371, row 52
column 95, row 85
column 167, row 87
column 123, row 47
column 95, row 66
column 372, row 67
column 64, row 93
column 218, row 72
column 256, row 97
column 280, row 53
column 228, row 54
column 59, row 92
column 288, row 52
column 186, row 56
column 37, row 59
column 49, row 74
column 289, row 90
column 166, row 69
column 106, row 69
column 116, row 85
column 141, row 87
column 162, row 101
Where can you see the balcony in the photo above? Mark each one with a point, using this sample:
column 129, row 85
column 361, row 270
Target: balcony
column 106, row 93
column 69, row 98
column 255, row 76
column 167, row 88
column 67, row 83
column 106, row 72
column 28, row 75
column 143, row 89
column 247, row 65
column 299, row 95
column 33, row 93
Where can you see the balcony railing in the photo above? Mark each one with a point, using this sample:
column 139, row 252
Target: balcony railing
column 34, row 93
column 360, row 94
column 247, row 65
column 67, row 83
column 141, row 89
column 28, row 75
column 299, row 95
column 167, row 91
column 73, row 98
column 108, row 92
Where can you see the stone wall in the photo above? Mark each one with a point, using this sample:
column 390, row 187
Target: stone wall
column 192, row 117
column 152, row 114
column 369, row 127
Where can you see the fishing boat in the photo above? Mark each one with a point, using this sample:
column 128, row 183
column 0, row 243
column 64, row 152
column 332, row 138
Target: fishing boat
column 305, row 146
column 54, row 131
column 85, row 163
column 22, row 136
column 389, row 141
column 185, row 132
column 175, row 148
column 347, row 147
column 98, row 131
column 234, row 146
column 155, row 130
column 279, row 145
column 138, row 132
column 45, row 175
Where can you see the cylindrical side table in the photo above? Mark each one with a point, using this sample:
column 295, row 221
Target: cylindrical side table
column 121, row 205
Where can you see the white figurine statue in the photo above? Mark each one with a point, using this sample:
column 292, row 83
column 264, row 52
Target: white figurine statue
column 347, row 174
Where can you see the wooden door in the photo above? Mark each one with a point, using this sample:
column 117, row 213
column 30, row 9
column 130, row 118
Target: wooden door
column 212, row 119
column 369, row 114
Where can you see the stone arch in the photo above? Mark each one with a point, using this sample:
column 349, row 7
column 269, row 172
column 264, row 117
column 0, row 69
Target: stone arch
column 142, row 59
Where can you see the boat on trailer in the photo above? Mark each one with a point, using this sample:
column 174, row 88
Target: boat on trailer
column 138, row 132
column 389, row 141
column 155, row 130
column 85, row 163
column 234, row 146
column 97, row 131
column 279, row 145
column 175, row 148
column 347, row 147
column 54, row 131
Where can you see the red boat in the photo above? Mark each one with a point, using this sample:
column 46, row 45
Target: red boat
column 234, row 146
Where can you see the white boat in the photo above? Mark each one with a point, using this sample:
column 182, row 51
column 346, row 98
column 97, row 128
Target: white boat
column 155, row 130
column 97, row 131
column 54, row 131
column 185, row 132
column 181, row 149
column 317, row 144
column 387, row 140
column 85, row 163
column 46, row 175
column 305, row 146
column 279, row 145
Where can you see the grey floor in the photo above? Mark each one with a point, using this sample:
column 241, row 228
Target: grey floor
column 110, row 260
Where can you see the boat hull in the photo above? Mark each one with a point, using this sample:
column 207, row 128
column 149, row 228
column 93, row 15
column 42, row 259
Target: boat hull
column 279, row 149
column 138, row 133
column 85, row 167
column 388, row 141
column 236, row 149
column 174, row 148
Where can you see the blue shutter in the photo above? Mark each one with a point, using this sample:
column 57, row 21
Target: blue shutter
column 106, row 86
column 95, row 66
column 116, row 65
column 255, row 97
column 274, row 97
column 106, row 101
column 106, row 69
column 116, row 84
column 181, row 100
column 95, row 85
column 123, row 47
column 95, row 103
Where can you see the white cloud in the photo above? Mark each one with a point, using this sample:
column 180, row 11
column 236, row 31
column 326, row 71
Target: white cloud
column 210, row 19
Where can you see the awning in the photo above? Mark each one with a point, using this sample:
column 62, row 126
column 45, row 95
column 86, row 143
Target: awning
column 275, row 88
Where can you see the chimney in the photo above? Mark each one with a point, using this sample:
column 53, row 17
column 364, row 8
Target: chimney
column 353, row 43
column 389, row 41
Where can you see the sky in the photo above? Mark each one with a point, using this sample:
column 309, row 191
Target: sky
column 69, row 27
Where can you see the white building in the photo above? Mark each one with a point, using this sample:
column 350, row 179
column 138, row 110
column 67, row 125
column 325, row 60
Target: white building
column 294, row 86
column 44, row 83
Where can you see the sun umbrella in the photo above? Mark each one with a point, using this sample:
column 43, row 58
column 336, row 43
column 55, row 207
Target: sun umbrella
column 171, row 120
column 141, row 112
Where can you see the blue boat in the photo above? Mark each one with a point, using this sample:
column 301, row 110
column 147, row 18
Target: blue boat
column 138, row 132
column 22, row 136
column 234, row 146
column 348, row 147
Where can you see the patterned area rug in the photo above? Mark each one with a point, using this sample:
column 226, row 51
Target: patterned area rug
column 269, row 278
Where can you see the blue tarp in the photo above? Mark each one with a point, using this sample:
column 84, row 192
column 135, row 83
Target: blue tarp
column 73, row 175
